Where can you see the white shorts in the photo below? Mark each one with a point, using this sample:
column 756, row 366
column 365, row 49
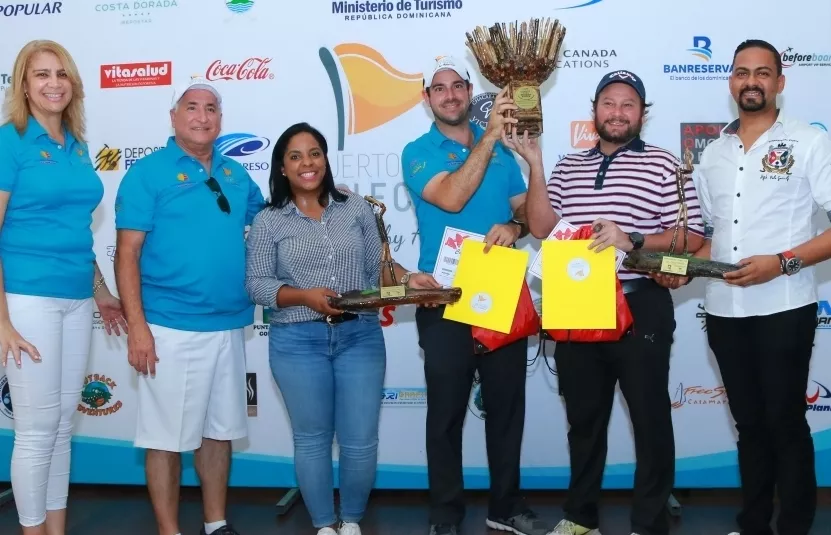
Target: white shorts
column 198, row 391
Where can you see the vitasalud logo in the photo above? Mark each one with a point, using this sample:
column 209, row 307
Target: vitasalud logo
column 356, row 10
column 120, row 75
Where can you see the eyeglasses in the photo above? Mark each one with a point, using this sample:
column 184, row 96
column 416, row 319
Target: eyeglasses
column 221, row 199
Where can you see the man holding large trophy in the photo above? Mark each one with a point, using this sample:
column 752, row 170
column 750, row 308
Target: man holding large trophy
column 460, row 176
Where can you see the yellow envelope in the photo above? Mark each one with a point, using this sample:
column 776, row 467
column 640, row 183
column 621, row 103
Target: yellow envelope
column 490, row 283
column 578, row 286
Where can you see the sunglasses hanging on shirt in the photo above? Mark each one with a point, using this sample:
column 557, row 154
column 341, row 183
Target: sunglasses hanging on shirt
column 221, row 199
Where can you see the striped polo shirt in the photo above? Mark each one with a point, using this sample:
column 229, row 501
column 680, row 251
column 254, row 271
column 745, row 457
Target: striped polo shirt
column 634, row 188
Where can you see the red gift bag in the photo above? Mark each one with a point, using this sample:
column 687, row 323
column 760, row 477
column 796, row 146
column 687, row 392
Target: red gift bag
column 624, row 315
column 526, row 323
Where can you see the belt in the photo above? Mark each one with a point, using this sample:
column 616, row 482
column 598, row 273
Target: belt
column 339, row 318
column 641, row 283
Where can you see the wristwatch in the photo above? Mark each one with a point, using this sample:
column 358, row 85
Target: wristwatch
column 637, row 240
column 405, row 279
column 789, row 262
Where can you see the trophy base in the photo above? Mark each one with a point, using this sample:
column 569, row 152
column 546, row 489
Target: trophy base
column 526, row 96
column 674, row 264
column 367, row 300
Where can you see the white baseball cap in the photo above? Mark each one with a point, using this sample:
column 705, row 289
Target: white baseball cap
column 195, row 82
column 445, row 63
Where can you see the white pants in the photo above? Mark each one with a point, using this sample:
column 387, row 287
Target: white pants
column 198, row 391
column 45, row 396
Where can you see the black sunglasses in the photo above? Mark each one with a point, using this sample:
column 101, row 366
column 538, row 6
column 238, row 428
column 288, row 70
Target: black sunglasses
column 221, row 199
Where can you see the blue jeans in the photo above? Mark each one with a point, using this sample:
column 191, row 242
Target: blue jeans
column 332, row 379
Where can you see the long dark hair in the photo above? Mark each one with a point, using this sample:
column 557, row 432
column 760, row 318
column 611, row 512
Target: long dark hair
column 278, row 183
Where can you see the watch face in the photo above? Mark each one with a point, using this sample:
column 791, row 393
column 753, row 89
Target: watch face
column 794, row 264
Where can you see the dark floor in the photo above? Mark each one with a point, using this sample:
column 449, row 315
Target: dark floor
column 127, row 511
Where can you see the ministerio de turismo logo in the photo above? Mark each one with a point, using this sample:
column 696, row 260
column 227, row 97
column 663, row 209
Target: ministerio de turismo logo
column 369, row 92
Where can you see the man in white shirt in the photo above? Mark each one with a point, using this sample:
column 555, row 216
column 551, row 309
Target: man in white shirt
column 759, row 187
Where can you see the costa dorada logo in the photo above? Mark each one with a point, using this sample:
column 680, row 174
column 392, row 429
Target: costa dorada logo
column 373, row 92
column 97, row 396
column 136, row 74
column 251, row 69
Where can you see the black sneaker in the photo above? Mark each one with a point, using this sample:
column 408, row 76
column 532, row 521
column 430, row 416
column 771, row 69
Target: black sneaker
column 444, row 529
column 525, row 523
column 227, row 529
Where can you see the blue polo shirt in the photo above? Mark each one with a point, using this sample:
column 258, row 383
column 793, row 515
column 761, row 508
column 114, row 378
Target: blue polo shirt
column 433, row 153
column 46, row 238
column 193, row 259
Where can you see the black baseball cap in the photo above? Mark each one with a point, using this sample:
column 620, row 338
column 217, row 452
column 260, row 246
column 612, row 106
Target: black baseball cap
column 622, row 77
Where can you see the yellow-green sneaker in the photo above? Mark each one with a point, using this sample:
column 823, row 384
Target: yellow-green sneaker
column 566, row 527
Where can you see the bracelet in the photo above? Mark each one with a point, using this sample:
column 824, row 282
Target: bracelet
column 98, row 284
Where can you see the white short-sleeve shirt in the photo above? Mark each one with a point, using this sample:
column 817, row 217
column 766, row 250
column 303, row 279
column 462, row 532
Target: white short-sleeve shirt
column 762, row 201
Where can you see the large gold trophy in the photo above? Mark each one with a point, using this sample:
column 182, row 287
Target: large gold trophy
column 390, row 293
column 521, row 56
column 683, row 264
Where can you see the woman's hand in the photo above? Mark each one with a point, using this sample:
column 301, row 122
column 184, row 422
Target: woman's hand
column 316, row 299
column 111, row 313
column 10, row 340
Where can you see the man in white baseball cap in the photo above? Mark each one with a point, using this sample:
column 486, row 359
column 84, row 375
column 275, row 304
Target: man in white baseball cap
column 180, row 215
column 464, row 176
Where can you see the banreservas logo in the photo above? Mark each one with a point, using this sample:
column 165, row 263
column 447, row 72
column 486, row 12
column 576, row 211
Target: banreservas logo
column 121, row 75
column 253, row 68
column 373, row 92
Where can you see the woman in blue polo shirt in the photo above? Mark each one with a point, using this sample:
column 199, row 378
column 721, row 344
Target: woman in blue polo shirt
column 312, row 242
column 48, row 191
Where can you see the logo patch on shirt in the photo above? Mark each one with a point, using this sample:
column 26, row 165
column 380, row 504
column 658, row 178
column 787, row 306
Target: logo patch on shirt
column 417, row 166
column 778, row 160
column 181, row 177
column 228, row 176
column 46, row 157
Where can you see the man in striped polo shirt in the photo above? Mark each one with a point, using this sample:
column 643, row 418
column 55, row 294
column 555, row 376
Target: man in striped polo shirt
column 629, row 188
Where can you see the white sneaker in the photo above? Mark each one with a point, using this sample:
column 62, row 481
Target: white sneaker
column 566, row 527
column 326, row 531
column 349, row 528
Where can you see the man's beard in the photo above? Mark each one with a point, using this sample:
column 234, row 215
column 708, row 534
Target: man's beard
column 755, row 105
column 452, row 121
column 632, row 131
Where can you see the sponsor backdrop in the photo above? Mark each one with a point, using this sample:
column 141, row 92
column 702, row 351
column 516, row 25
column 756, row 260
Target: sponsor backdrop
column 353, row 69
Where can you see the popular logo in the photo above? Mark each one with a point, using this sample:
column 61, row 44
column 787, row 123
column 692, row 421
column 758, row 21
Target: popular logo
column 696, row 137
column 251, row 69
column 108, row 159
column 251, row 393
column 28, row 9
column 97, row 396
column 136, row 74
column 6, row 398
column 704, row 70
column 373, row 92
column 778, row 160
column 239, row 6
column 583, row 135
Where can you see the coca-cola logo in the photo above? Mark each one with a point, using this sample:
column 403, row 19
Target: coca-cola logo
column 250, row 69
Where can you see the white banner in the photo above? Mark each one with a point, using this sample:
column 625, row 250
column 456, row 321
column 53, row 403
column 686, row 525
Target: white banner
column 352, row 69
